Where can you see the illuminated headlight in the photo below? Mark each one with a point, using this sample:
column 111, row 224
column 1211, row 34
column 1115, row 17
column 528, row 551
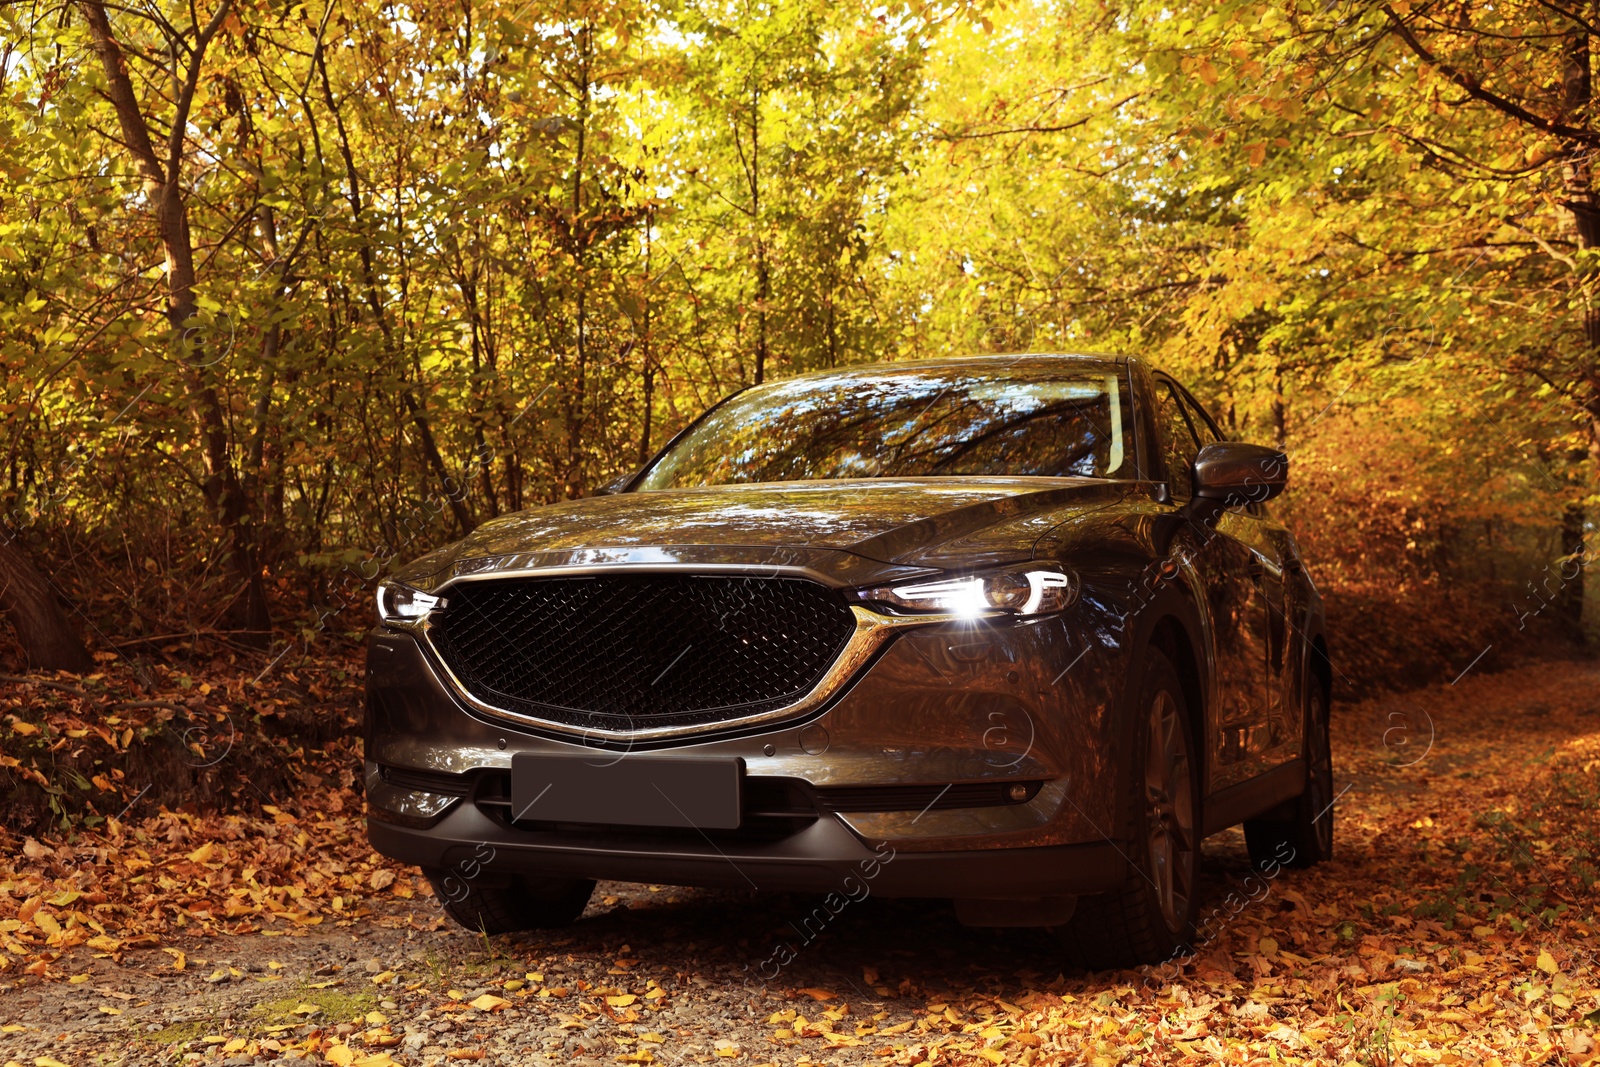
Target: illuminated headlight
column 1034, row 589
column 401, row 603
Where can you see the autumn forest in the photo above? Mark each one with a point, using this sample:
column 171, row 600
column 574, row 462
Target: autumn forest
column 293, row 292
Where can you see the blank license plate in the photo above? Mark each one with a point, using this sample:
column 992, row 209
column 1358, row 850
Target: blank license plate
column 627, row 790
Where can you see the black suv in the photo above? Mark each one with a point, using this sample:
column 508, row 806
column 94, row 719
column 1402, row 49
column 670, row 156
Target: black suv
column 1013, row 630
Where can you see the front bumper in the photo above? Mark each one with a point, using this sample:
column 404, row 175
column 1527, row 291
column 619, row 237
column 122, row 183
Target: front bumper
column 824, row 857
column 973, row 708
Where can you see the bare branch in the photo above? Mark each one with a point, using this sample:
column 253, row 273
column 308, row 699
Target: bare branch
column 180, row 118
column 1474, row 88
column 1061, row 128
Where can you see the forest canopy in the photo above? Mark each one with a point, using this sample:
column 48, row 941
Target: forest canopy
column 291, row 292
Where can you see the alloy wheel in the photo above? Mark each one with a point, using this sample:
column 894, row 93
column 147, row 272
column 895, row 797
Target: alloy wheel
column 1319, row 784
column 1169, row 812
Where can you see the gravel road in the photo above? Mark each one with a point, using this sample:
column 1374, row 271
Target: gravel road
column 1455, row 925
column 661, row 974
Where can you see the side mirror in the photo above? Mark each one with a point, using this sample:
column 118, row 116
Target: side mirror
column 1231, row 473
column 615, row 485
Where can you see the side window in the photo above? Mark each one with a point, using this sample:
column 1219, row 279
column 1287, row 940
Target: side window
column 1178, row 446
column 1202, row 425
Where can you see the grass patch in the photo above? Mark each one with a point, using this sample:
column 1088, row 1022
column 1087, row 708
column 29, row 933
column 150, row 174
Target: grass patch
column 332, row 1006
column 176, row 1034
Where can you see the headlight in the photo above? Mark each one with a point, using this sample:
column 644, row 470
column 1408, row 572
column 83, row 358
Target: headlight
column 401, row 603
column 1030, row 589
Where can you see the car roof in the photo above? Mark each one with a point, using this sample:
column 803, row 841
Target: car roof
column 1028, row 361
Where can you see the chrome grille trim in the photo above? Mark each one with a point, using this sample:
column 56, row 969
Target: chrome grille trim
column 872, row 631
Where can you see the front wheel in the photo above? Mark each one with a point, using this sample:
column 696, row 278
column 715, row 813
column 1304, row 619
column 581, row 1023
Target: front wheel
column 1305, row 838
column 1150, row 917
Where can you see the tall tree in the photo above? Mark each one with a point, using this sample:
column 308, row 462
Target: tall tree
column 164, row 177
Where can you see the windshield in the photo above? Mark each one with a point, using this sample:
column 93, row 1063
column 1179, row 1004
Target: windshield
column 1047, row 421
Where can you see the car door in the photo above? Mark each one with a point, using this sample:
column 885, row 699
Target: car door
column 1251, row 527
column 1237, row 716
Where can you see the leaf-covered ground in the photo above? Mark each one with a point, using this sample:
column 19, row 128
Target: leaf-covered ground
column 1457, row 925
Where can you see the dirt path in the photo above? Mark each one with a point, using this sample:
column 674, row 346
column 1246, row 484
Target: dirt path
column 1456, row 925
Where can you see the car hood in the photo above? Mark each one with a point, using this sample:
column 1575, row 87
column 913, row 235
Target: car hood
column 917, row 523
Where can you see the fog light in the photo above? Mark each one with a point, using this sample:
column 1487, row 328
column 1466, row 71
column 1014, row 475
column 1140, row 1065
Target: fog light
column 1018, row 792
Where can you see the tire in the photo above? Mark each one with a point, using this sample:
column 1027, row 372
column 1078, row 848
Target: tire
column 504, row 904
column 1150, row 917
column 1305, row 839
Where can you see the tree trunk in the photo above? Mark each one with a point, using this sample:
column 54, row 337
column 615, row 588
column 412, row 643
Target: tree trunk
column 1280, row 411
column 1575, row 556
column 649, row 370
column 230, row 505
column 763, row 275
column 29, row 600
column 1577, row 87
column 575, row 405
